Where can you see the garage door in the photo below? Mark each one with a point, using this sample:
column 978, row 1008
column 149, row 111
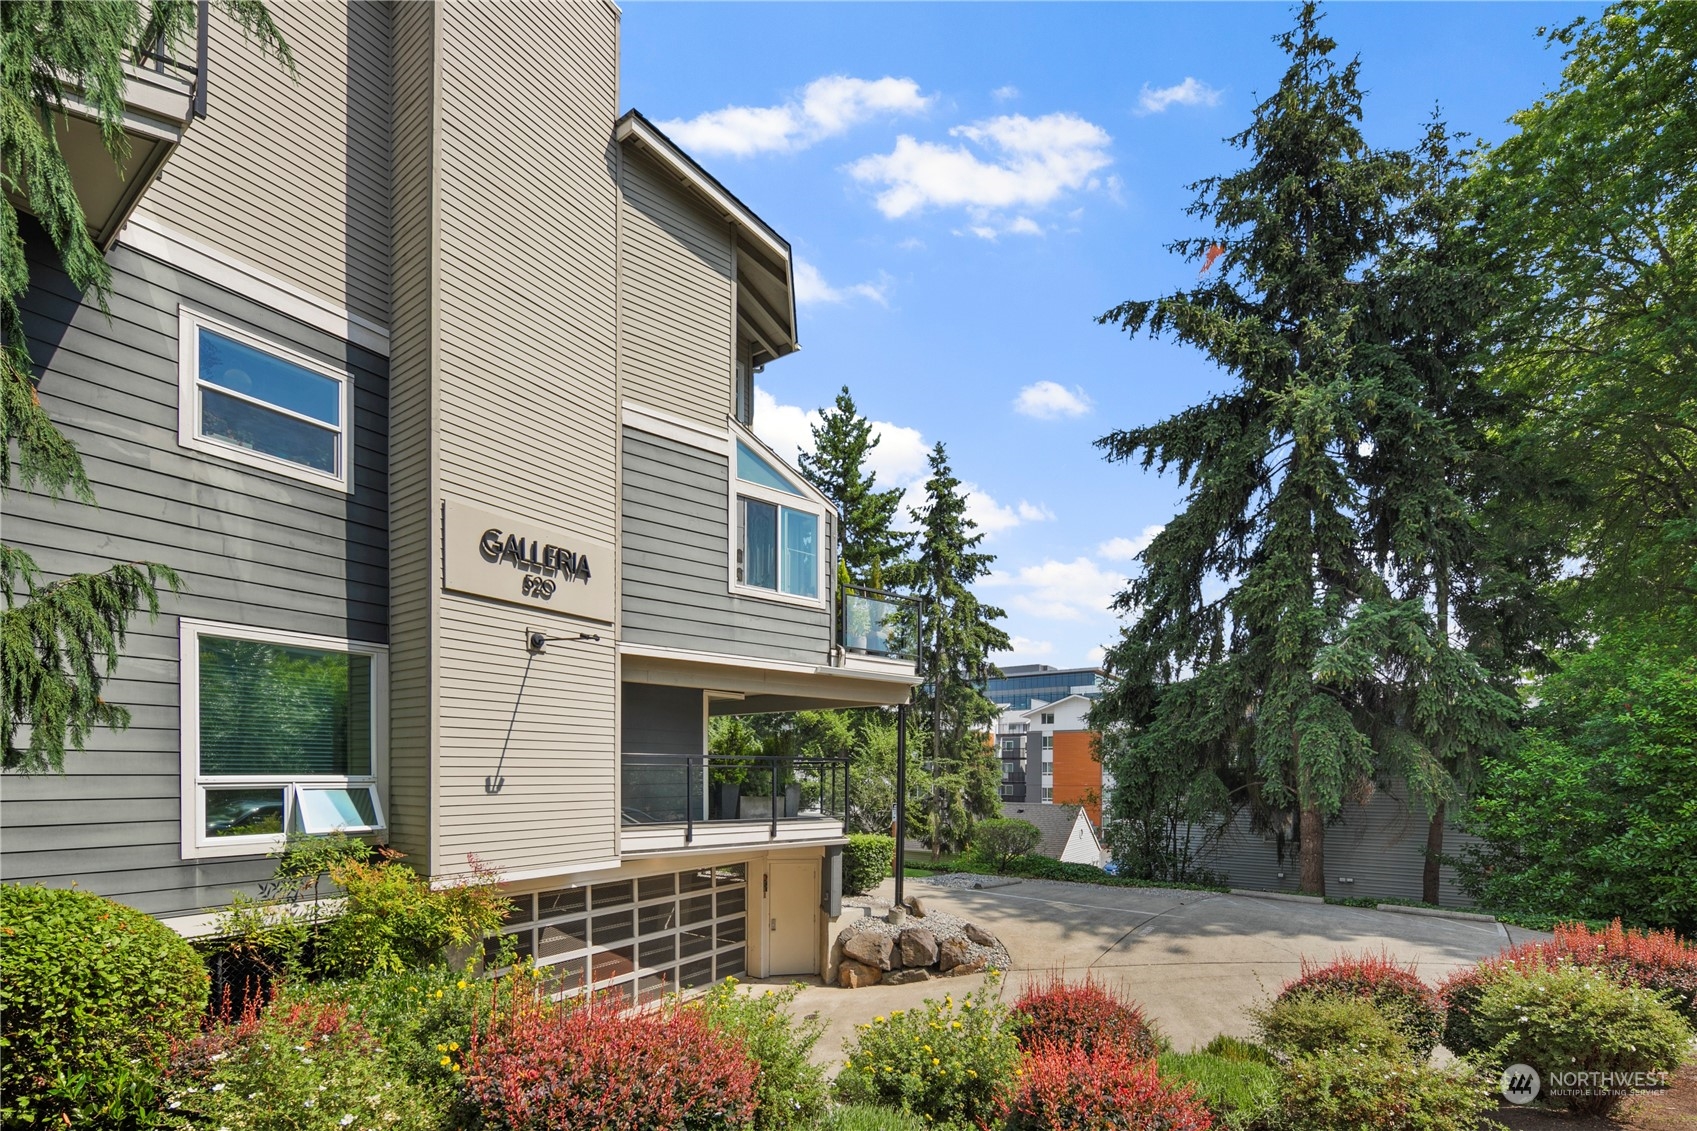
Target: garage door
column 638, row 938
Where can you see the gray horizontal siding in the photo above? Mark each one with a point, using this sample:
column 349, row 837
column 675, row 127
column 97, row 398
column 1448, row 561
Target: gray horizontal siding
column 675, row 535
column 1380, row 846
column 253, row 547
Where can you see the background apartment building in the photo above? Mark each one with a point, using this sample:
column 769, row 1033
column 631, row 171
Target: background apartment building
column 1043, row 737
column 431, row 374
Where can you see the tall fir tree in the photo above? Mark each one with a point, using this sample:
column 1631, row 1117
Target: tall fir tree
column 1269, row 518
column 60, row 640
column 1448, row 513
column 957, row 635
column 872, row 548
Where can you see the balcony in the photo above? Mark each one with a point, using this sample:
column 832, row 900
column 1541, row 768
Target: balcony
column 877, row 629
column 161, row 96
column 674, row 801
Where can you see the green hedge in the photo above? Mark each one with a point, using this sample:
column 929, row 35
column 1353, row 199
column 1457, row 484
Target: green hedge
column 868, row 860
column 92, row 995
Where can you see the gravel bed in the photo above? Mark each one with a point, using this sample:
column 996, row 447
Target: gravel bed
column 968, row 881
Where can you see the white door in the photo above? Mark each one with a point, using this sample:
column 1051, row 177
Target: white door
column 792, row 928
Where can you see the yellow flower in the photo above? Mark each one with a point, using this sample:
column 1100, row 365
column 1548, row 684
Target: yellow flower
column 934, row 1060
column 848, row 1063
column 438, row 993
column 462, row 983
column 878, row 1020
column 453, row 1046
column 972, row 1073
column 447, row 1061
column 954, row 1024
column 896, row 1012
column 441, row 1048
column 456, row 1068
column 927, row 1048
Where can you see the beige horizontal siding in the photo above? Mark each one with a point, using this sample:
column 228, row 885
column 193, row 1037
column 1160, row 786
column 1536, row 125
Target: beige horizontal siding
column 292, row 175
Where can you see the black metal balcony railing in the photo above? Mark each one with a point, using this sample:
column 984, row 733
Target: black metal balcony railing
column 691, row 789
column 873, row 622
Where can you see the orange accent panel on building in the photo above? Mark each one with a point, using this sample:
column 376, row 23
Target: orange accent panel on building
column 1078, row 775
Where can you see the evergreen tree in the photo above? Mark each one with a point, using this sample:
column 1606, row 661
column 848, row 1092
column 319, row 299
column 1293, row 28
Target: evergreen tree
column 1241, row 678
column 1449, row 500
column 842, row 441
column 957, row 636
column 58, row 641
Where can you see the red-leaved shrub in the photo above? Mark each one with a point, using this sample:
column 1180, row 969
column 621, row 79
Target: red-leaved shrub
column 1656, row 960
column 540, row 1066
column 1065, row 1088
column 1086, row 1015
column 1412, row 1007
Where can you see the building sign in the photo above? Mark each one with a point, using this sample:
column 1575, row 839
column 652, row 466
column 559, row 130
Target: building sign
column 491, row 554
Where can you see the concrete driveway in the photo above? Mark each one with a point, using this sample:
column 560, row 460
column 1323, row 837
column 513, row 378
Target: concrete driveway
column 1194, row 960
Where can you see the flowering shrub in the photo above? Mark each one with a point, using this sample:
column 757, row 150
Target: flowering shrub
column 539, row 1066
column 1411, row 1006
column 1656, row 960
column 1347, row 1091
column 395, row 920
column 1305, row 1024
column 1086, row 1015
column 947, row 1065
column 92, row 994
column 792, row 1089
column 1569, row 1019
column 1068, row 1088
column 298, row 1066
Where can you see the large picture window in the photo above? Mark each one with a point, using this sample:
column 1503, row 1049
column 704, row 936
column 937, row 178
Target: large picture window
column 779, row 531
column 254, row 401
column 281, row 733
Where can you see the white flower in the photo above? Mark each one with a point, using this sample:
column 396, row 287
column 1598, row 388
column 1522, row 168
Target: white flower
column 308, row 1102
column 346, row 1119
column 174, row 1105
column 217, row 1087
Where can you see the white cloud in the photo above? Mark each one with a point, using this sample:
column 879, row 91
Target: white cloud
column 1027, row 163
column 811, row 288
column 1003, row 93
column 1125, row 549
column 825, row 107
column 1078, row 590
column 898, row 460
column 1022, row 649
column 994, row 518
column 1190, row 92
column 1049, row 400
column 1095, row 655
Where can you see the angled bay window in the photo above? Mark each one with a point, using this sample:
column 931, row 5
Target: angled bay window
column 254, row 401
column 281, row 732
column 780, row 531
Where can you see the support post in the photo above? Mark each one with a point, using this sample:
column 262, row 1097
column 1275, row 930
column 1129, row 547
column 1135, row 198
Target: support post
column 901, row 798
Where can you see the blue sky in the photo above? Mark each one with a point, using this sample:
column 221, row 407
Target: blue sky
column 966, row 186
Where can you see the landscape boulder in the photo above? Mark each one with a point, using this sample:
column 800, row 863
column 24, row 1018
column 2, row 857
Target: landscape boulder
column 979, row 935
column 852, row 975
column 915, row 906
column 952, row 953
column 909, row 974
column 869, row 948
column 918, row 947
column 970, row 966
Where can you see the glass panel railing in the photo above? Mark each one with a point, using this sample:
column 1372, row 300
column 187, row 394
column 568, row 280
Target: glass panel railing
column 678, row 789
column 875, row 623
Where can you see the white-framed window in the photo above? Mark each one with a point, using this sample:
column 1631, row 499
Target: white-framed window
column 245, row 398
column 779, row 532
column 1048, row 795
column 1048, row 742
column 281, row 732
column 1048, row 718
column 1048, row 768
